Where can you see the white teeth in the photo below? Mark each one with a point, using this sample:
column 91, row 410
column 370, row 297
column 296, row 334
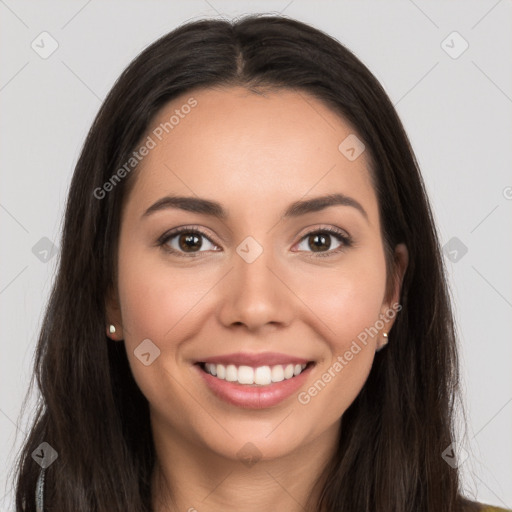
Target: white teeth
column 277, row 373
column 288, row 371
column 245, row 375
column 212, row 368
column 261, row 376
column 221, row 371
column 231, row 373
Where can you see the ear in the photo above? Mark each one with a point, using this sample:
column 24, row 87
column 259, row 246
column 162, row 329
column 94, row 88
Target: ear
column 113, row 315
column 401, row 261
column 401, row 258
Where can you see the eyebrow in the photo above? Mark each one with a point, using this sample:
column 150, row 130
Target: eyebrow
column 214, row 209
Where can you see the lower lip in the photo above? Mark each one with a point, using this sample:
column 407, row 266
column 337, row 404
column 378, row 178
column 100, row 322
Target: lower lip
column 254, row 397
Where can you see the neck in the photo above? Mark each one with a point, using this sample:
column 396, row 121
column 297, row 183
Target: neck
column 192, row 478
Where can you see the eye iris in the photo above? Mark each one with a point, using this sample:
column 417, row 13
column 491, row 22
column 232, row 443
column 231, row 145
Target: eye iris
column 325, row 241
column 189, row 241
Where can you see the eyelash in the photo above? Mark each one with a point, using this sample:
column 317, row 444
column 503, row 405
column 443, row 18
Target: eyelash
column 340, row 235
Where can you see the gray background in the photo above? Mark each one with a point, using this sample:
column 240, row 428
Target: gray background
column 457, row 112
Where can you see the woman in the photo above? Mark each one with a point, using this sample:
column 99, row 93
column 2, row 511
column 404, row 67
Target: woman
column 246, row 229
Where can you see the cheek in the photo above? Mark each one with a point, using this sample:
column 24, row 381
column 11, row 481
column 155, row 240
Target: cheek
column 347, row 299
column 347, row 304
column 155, row 300
column 157, row 304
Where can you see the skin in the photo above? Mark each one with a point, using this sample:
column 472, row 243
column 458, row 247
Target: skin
column 255, row 154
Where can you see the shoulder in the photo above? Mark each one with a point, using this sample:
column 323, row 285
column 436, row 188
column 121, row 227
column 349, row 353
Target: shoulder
column 469, row 505
column 491, row 508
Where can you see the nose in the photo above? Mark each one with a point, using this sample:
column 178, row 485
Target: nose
column 255, row 293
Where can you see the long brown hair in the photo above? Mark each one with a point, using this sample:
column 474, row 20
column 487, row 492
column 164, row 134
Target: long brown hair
column 91, row 411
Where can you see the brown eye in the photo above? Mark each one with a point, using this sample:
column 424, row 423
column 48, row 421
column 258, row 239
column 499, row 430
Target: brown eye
column 189, row 241
column 186, row 242
column 319, row 242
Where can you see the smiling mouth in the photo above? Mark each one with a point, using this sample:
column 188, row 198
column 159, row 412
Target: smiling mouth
column 254, row 376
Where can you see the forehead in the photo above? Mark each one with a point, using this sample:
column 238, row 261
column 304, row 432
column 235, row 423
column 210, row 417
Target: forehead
column 231, row 143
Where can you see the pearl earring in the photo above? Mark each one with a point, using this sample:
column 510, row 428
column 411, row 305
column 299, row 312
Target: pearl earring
column 384, row 343
column 112, row 329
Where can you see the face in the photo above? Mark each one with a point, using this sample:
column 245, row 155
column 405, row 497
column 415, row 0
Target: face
column 268, row 285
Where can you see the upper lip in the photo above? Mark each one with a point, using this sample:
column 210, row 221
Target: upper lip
column 261, row 359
